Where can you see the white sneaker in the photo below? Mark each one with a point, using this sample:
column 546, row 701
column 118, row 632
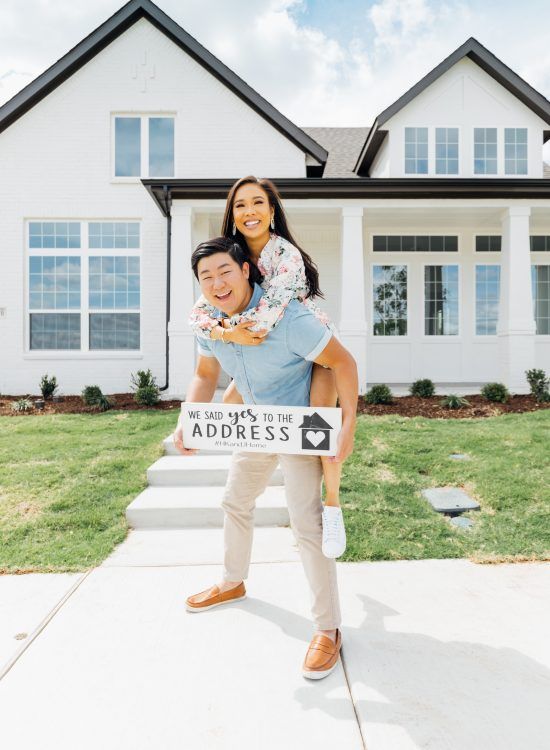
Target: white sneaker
column 334, row 532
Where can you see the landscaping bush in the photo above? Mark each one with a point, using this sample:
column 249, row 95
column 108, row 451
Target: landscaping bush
column 454, row 401
column 22, row 404
column 423, row 388
column 379, row 394
column 146, row 389
column 539, row 384
column 495, row 392
column 92, row 395
column 48, row 386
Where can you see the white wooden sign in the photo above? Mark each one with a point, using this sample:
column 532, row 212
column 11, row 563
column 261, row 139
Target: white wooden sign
column 305, row 430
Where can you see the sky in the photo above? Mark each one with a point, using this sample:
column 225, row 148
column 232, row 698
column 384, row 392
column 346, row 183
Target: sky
column 320, row 62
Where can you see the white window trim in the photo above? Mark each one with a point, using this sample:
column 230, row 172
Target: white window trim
column 425, row 337
column 83, row 252
column 386, row 338
column 432, row 153
column 492, row 262
column 144, row 151
column 415, row 174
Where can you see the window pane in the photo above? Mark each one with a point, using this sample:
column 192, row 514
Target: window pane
column 540, row 278
column 50, row 234
column 50, row 278
column 114, row 331
column 107, row 235
column 515, row 150
column 441, row 300
column 487, row 299
column 55, row 330
column 485, row 150
column 110, row 281
column 416, row 150
column 161, row 147
column 390, row 300
column 446, row 150
column 127, row 146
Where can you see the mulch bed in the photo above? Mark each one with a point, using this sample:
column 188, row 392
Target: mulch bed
column 406, row 406
column 412, row 406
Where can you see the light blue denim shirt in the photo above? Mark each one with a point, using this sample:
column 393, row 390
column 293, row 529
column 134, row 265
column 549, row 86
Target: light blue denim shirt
column 277, row 371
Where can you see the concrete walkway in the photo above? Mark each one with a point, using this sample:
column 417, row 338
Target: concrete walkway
column 437, row 654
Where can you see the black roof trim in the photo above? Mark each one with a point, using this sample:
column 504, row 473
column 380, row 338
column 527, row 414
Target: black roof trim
column 117, row 24
column 489, row 63
column 162, row 191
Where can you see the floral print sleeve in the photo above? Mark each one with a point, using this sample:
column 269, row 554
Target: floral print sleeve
column 201, row 318
column 282, row 267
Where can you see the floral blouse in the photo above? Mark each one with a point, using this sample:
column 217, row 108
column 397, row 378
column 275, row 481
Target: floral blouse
column 282, row 267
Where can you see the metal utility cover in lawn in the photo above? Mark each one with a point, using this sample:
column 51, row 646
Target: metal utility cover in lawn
column 449, row 500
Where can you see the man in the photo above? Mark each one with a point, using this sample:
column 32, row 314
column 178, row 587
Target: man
column 276, row 372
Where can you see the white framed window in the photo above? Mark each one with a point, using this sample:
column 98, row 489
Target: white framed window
column 515, row 150
column 487, row 298
column 409, row 243
column 539, row 243
column 485, row 150
column 446, row 151
column 488, row 243
column 416, row 150
column 89, row 297
column 143, row 145
column 441, row 295
column 540, row 281
column 389, row 300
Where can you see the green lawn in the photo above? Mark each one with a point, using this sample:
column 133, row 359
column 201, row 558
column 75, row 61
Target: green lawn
column 66, row 480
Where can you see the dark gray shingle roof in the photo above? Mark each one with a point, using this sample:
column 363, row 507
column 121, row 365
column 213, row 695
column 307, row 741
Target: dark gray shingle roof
column 343, row 146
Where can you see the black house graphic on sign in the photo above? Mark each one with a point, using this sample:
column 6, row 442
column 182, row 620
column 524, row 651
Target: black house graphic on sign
column 315, row 433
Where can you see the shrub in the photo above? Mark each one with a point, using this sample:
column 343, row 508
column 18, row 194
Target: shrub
column 454, row 401
column 423, row 388
column 495, row 392
column 379, row 394
column 48, row 386
column 92, row 395
column 539, row 384
column 147, row 396
column 22, row 404
column 146, row 389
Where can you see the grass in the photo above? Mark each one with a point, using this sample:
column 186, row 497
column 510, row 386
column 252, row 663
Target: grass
column 66, row 480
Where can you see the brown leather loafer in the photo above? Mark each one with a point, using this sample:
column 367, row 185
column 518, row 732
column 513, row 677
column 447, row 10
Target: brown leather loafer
column 322, row 656
column 212, row 598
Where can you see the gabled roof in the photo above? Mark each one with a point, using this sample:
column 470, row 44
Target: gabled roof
column 314, row 421
column 116, row 25
column 482, row 57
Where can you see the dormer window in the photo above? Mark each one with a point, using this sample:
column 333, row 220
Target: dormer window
column 144, row 146
column 515, row 150
column 485, row 150
column 416, row 150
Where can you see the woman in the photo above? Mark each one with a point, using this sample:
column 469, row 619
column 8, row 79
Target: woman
column 255, row 218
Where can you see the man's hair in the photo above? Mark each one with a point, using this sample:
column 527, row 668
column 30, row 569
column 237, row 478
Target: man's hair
column 233, row 249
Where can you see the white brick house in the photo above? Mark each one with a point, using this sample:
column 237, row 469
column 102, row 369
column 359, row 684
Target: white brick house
column 431, row 229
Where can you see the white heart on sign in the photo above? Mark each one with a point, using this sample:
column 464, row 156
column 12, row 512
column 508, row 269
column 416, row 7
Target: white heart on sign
column 315, row 438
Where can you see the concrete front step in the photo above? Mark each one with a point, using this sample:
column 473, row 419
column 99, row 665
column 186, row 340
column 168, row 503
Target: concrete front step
column 171, row 450
column 198, row 507
column 195, row 471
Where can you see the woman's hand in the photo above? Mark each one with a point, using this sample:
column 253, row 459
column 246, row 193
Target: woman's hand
column 178, row 442
column 240, row 334
column 344, row 444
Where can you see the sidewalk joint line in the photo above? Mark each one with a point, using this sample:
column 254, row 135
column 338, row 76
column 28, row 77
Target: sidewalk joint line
column 34, row 635
column 351, row 698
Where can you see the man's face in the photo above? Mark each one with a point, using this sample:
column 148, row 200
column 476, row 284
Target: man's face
column 224, row 283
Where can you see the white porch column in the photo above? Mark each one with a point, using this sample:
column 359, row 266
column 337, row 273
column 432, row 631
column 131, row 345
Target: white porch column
column 516, row 325
column 353, row 324
column 181, row 339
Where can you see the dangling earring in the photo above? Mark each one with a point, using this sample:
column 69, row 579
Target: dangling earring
column 234, row 229
column 273, row 222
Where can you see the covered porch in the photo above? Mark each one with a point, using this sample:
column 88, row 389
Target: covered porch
column 461, row 344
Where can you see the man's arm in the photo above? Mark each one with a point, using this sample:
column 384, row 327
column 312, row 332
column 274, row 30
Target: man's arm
column 201, row 390
column 340, row 361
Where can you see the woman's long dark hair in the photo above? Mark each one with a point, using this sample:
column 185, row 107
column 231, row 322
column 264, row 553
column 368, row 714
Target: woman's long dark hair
column 281, row 227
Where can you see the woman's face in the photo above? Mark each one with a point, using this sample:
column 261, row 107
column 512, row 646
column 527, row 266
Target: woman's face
column 252, row 212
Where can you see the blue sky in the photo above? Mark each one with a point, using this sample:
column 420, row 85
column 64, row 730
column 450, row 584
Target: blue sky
column 321, row 62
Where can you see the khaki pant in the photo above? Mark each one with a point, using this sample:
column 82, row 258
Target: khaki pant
column 249, row 474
